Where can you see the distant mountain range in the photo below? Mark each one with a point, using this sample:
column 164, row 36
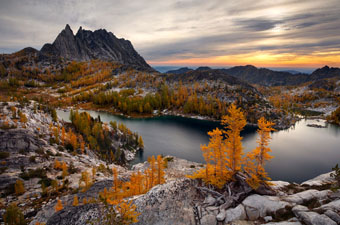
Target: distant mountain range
column 180, row 70
column 291, row 71
column 206, row 73
column 267, row 77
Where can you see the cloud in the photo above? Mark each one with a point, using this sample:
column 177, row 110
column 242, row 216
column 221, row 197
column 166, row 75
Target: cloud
column 258, row 24
column 180, row 29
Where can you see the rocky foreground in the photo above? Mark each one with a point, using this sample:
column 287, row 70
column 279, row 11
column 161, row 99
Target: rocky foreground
column 178, row 201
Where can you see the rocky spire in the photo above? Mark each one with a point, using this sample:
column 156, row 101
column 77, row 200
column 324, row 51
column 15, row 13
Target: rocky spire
column 68, row 28
column 87, row 45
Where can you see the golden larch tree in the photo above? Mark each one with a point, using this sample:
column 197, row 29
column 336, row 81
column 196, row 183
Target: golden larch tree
column 57, row 164
column 63, row 134
column 127, row 211
column 223, row 155
column 59, row 206
column 257, row 158
column 234, row 122
column 85, row 178
column 19, row 187
column 23, row 118
column 73, row 141
column 160, row 170
column 115, row 179
column 82, row 144
column 215, row 171
column 64, row 168
column 151, row 171
column 56, row 134
column 75, row 201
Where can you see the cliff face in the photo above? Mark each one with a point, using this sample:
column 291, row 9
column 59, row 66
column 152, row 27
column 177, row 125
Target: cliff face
column 87, row 45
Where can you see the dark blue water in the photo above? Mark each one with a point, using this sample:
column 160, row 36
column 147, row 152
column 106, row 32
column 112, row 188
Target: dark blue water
column 300, row 152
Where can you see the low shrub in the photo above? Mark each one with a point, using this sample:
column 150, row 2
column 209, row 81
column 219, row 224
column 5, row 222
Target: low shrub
column 4, row 155
column 32, row 159
column 37, row 173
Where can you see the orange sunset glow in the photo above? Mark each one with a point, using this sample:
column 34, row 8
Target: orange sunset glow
column 262, row 59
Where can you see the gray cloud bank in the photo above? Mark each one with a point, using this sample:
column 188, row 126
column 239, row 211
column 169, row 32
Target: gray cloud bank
column 180, row 29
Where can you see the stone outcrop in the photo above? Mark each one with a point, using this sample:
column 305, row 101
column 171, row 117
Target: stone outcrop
column 15, row 140
column 257, row 206
column 78, row 215
column 170, row 203
column 306, row 196
column 313, row 218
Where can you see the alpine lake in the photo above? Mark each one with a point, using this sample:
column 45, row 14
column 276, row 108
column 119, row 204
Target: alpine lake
column 300, row 153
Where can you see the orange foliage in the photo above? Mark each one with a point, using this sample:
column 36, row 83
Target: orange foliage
column 234, row 122
column 215, row 172
column 160, row 170
column 59, row 206
column 63, row 134
column 138, row 183
column 257, row 158
column 19, row 187
column 64, row 168
column 127, row 210
column 85, row 178
column 75, row 201
column 82, row 144
column 57, row 164
column 73, row 139
column 224, row 156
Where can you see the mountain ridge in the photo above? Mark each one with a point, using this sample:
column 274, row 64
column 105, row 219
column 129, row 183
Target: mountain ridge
column 268, row 77
column 86, row 45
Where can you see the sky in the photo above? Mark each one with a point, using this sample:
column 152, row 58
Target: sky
column 264, row 33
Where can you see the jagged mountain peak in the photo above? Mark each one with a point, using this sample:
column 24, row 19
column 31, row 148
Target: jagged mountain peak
column 87, row 45
column 68, row 28
column 67, row 31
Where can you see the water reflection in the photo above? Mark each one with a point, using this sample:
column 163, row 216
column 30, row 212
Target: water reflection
column 300, row 152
